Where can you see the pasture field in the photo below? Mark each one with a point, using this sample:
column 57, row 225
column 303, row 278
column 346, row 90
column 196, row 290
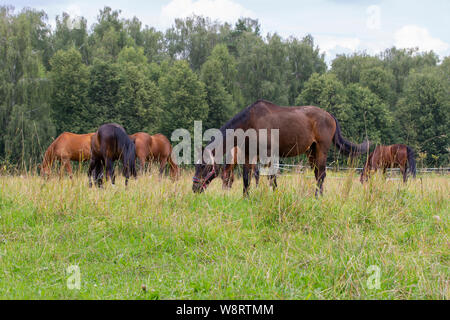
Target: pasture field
column 158, row 240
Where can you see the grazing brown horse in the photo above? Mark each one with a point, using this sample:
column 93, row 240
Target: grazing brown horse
column 108, row 144
column 228, row 171
column 306, row 129
column 396, row 155
column 154, row 148
column 67, row 147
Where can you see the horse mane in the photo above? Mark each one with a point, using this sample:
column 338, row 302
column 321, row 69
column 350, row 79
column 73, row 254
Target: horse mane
column 243, row 115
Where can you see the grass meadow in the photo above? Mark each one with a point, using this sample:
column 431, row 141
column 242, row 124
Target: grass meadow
column 158, row 240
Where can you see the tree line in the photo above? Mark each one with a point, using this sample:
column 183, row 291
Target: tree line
column 75, row 78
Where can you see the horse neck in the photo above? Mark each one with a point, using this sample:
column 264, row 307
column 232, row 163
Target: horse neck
column 49, row 157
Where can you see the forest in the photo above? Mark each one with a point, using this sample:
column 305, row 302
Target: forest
column 74, row 77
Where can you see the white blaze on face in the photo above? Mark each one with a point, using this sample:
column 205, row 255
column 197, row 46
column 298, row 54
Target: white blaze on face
column 211, row 156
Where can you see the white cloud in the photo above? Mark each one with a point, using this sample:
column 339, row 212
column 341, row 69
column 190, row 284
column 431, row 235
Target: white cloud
column 412, row 36
column 327, row 44
column 223, row 10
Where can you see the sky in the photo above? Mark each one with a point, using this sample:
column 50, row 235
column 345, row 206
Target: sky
column 338, row 26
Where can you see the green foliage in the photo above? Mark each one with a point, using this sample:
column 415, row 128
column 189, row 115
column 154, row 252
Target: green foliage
column 104, row 84
column 304, row 60
column 327, row 92
column 77, row 77
column 139, row 100
column 218, row 99
column 25, row 124
column 348, row 67
column 374, row 118
column 381, row 82
column 424, row 113
column 184, row 98
column 70, row 80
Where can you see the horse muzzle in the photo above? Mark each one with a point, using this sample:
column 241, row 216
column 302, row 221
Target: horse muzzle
column 197, row 185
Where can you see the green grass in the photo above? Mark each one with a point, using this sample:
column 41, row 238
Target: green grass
column 218, row 245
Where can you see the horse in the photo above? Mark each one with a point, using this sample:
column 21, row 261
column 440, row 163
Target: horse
column 108, row 144
column 302, row 130
column 396, row 155
column 65, row 148
column 228, row 172
column 155, row 148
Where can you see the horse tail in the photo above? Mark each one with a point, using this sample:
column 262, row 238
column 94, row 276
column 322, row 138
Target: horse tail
column 129, row 154
column 411, row 161
column 346, row 146
column 173, row 166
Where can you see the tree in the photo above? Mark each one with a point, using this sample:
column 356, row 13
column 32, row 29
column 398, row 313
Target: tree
column 262, row 69
column 109, row 35
column 327, row 92
column 402, row 61
column 424, row 115
column 348, row 67
column 139, row 100
column 381, row 82
column 218, row 99
column 192, row 39
column 70, row 80
column 184, row 98
column 370, row 115
column 25, row 125
column 71, row 33
column 304, row 60
column 104, row 84
column 227, row 67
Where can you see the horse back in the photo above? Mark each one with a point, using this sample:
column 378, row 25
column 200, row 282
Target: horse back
column 299, row 127
column 113, row 141
column 142, row 143
column 160, row 146
column 72, row 146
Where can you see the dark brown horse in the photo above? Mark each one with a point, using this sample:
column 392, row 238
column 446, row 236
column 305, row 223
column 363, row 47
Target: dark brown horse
column 108, row 144
column 307, row 129
column 154, row 148
column 396, row 155
column 67, row 147
column 228, row 171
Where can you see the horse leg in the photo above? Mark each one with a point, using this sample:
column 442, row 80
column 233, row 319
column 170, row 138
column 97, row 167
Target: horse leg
column 91, row 169
column 245, row 177
column 256, row 175
column 62, row 164
column 404, row 173
column 230, row 178
column 320, row 166
column 126, row 172
column 142, row 161
column 162, row 166
column 273, row 181
column 99, row 172
column 110, row 171
column 69, row 169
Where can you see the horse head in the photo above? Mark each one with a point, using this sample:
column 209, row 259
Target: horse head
column 204, row 173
